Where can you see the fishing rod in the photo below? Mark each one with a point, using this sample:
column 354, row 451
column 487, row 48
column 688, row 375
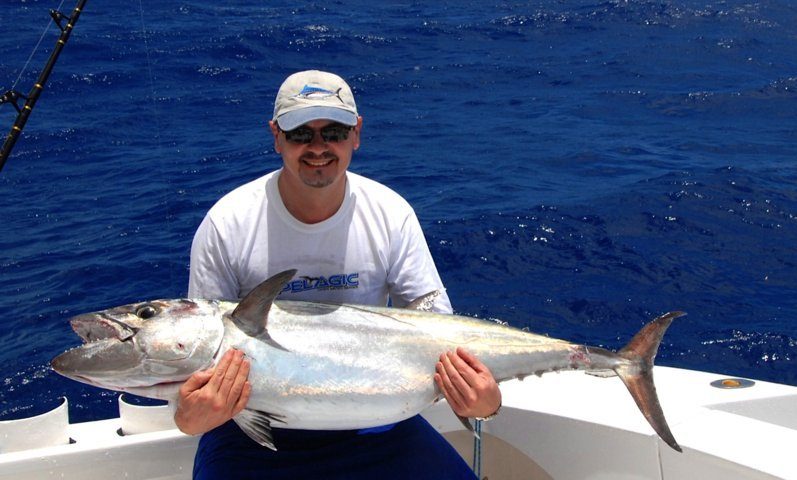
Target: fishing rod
column 13, row 97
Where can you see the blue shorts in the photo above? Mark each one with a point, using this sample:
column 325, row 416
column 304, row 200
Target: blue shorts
column 411, row 449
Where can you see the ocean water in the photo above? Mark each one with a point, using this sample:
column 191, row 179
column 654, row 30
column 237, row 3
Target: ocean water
column 579, row 167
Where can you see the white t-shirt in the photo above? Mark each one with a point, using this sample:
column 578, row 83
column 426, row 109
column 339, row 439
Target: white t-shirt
column 371, row 249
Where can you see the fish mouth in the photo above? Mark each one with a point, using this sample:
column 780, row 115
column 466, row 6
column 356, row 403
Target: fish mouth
column 93, row 327
column 108, row 350
column 101, row 363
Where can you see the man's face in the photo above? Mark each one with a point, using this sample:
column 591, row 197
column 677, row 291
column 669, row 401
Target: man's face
column 319, row 163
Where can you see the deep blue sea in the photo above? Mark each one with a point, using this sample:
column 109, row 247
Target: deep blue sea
column 579, row 167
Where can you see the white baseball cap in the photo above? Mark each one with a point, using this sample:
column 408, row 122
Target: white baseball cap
column 314, row 95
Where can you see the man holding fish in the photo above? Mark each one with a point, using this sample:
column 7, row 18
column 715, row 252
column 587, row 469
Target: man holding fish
column 353, row 241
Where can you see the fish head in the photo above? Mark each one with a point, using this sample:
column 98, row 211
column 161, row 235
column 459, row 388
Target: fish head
column 143, row 344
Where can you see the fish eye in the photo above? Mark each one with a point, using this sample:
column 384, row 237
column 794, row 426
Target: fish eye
column 147, row 311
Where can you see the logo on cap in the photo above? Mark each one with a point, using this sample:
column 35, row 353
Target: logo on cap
column 318, row 93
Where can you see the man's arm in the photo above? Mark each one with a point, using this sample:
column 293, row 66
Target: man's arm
column 212, row 397
column 412, row 272
column 466, row 382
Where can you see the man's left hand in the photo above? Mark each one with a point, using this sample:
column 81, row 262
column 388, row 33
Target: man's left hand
column 467, row 384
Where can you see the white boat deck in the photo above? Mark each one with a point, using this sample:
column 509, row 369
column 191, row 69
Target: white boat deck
column 577, row 426
column 561, row 426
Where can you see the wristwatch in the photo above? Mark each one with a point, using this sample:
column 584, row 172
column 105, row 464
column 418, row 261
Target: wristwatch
column 490, row 416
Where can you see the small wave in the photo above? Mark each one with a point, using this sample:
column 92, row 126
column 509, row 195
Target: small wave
column 212, row 71
column 764, row 100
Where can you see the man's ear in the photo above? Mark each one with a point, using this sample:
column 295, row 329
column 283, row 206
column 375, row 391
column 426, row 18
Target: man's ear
column 275, row 132
column 357, row 129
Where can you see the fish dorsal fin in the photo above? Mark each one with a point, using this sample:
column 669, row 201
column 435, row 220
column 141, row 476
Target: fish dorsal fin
column 251, row 315
column 424, row 303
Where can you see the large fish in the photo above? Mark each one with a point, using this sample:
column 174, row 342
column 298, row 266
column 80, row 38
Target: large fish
column 325, row 366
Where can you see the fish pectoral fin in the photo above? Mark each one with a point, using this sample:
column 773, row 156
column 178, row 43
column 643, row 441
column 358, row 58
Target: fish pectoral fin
column 257, row 426
column 466, row 422
column 602, row 373
column 424, row 303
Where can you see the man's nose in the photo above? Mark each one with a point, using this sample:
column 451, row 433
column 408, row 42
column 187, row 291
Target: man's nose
column 318, row 143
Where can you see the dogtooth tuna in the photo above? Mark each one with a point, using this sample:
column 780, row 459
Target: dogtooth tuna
column 322, row 366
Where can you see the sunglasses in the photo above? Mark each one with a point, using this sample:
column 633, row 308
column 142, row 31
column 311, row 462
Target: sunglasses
column 332, row 133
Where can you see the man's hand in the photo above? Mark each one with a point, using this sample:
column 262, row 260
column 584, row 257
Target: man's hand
column 211, row 397
column 467, row 384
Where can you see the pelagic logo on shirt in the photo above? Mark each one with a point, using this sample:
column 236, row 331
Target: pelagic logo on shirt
column 332, row 282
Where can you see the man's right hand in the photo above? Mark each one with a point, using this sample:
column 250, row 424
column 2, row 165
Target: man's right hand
column 212, row 397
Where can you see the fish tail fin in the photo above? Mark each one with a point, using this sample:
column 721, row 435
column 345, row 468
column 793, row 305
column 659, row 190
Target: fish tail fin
column 637, row 373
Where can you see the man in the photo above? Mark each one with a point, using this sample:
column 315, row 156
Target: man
column 352, row 240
